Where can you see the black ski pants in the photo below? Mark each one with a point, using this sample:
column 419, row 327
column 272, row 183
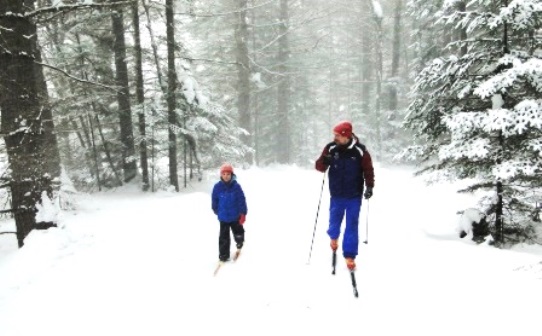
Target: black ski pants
column 224, row 240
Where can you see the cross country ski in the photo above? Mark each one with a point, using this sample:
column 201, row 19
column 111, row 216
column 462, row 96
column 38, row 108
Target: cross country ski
column 221, row 263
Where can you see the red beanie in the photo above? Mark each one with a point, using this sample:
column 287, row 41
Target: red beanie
column 226, row 167
column 343, row 128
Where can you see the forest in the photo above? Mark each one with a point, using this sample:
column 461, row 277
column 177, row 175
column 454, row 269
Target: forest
column 102, row 93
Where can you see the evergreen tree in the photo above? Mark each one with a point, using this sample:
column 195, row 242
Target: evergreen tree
column 477, row 111
column 26, row 119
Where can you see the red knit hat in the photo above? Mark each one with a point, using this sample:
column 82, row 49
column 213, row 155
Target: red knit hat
column 343, row 128
column 226, row 167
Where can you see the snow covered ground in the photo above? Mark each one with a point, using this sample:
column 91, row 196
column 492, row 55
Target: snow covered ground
column 128, row 263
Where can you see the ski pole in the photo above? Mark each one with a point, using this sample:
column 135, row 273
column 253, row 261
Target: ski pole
column 367, row 225
column 316, row 220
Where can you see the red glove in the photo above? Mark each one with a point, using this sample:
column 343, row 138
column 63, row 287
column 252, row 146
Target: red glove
column 242, row 219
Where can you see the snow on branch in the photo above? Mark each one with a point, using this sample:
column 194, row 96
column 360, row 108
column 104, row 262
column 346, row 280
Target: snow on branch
column 522, row 13
column 201, row 125
column 528, row 113
column 473, row 149
column 524, row 116
column 76, row 78
column 535, row 145
column 86, row 4
column 531, row 70
column 377, row 9
column 510, row 169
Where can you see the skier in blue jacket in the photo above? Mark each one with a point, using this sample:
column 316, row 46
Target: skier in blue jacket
column 350, row 173
column 229, row 204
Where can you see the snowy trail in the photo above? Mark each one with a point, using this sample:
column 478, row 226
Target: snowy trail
column 142, row 264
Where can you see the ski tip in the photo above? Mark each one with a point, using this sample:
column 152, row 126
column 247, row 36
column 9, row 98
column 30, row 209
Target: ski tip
column 218, row 266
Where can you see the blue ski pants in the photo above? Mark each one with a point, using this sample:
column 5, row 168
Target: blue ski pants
column 338, row 207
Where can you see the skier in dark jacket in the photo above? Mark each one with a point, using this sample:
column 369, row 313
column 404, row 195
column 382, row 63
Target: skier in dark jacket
column 229, row 204
column 350, row 168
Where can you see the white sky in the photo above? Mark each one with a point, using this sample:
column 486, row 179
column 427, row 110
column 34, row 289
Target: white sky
column 128, row 263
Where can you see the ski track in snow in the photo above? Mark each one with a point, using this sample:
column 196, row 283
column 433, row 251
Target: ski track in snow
column 127, row 263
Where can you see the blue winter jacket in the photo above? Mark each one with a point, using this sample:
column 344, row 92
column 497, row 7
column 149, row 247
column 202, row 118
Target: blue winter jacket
column 351, row 167
column 228, row 201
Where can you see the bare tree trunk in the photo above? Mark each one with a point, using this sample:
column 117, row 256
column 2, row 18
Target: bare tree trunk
column 94, row 149
column 366, row 65
column 188, row 140
column 160, row 83
column 378, row 104
column 396, row 54
column 106, row 150
column 32, row 152
column 154, row 46
column 255, row 102
column 51, row 143
column 57, row 39
column 90, row 139
column 499, row 216
column 123, row 96
column 171, row 106
column 283, row 141
column 379, row 69
column 77, row 133
column 243, row 75
column 140, row 96
column 462, row 32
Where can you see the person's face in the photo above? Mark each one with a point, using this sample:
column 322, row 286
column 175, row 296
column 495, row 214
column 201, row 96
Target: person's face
column 340, row 139
column 226, row 176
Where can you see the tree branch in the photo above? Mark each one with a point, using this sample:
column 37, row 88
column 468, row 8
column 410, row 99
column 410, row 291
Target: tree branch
column 207, row 60
column 68, row 8
column 76, row 78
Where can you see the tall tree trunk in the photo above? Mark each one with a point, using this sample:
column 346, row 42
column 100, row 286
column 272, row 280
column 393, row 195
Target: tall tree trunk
column 366, row 65
column 379, row 68
column 462, row 31
column 283, row 141
column 76, row 130
column 499, row 207
column 255, row 98
column 396, row 54
column 32, row 152
column 140, row 96
column 378, row 104
column 51, row 143
column 153, row 45
column 91, row 140
column 56, row 31
column 94, row 149
column 243, row 75
column 123, row 96
column 171, row 106
column 107, row 151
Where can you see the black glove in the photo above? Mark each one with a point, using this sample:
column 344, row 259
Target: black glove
column 326, row 160
column 368, row 193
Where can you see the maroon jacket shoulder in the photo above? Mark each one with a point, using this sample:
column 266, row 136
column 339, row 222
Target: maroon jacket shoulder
column 367, row 167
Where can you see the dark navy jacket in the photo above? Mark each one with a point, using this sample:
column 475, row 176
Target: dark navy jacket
column 351, row 167
column 228, row 201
